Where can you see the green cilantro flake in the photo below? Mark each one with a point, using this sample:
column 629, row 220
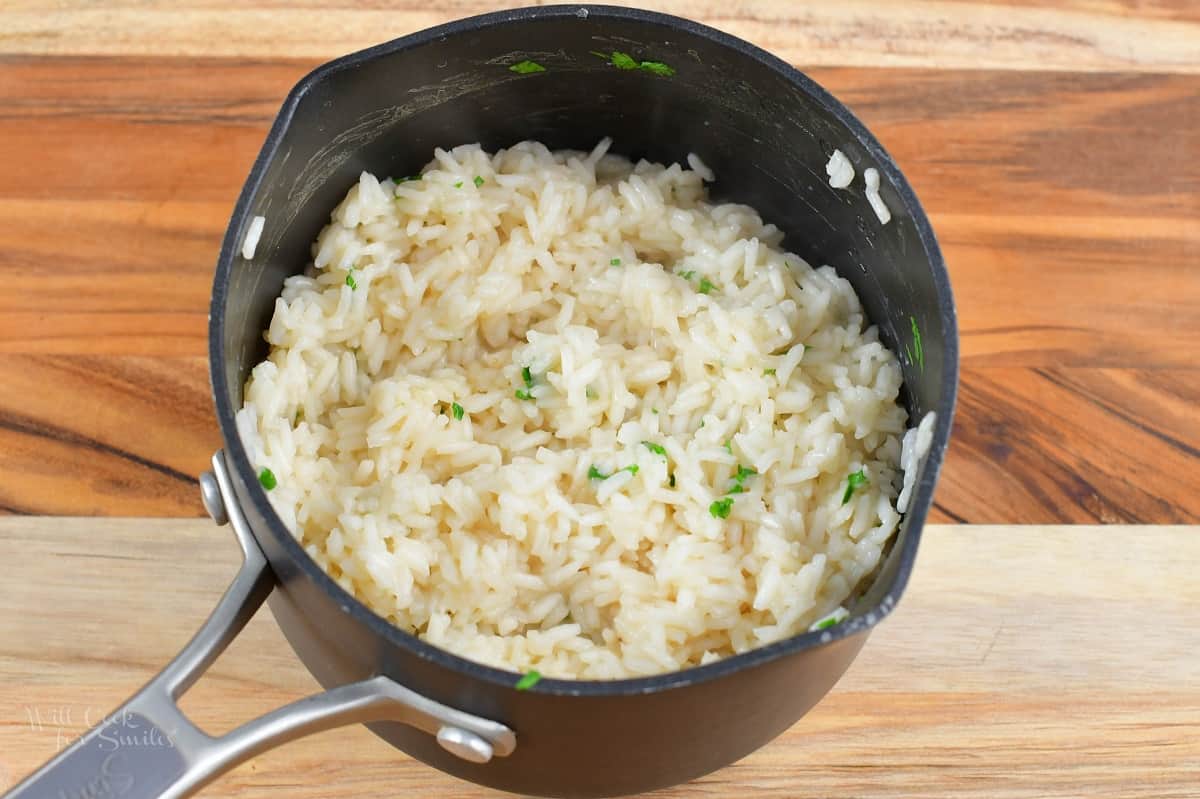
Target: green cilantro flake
column 743, row 472
column 654, row 411
column 478, row 181
column 522, row 394
column 720, row 508
column 457, row 410
column 595, row 474
column 615, row 262
column 729, row 446
column 917, row 350
column 350, row 281
column 826, row 623
column 688, row 275
column 622, row 60
column 590, row 393
column 267, row 478
column 458, row 185
column 706, row 285
column 526, row 67
column 657, row 67
column 657, row 449
column 406, row 179
column 767, row 372
column 528, row 680
column 853, row 482
column 527, row 376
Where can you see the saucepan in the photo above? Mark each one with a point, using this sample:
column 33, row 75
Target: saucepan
column 767, row 131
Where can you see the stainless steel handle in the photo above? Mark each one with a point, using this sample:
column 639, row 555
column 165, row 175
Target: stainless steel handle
column 148, row 749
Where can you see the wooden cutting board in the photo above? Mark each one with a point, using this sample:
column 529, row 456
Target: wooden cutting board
column 1054, row 143
column 1024, row 662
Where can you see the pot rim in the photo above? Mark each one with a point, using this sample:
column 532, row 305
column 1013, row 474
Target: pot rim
column 922, row 497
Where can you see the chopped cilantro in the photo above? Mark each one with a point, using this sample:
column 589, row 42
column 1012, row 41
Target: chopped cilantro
column 590, row 393
column 918, row 350
column 622, row 60
column 595, row 474
column 720, row 508
column 826, row 623
column 478, row 181
column 688, row 275
column 743, row 472
column 615, row 262
column 729, row 446
column 625, row 61
column 526, row 67
column 654, row 411
column 528, row 680
column 350, row 281
column 406, row 179
column 522, row 394
column 768, row 372
column 267, row 478
column 457, row 410
column 705, row 285
column 657, row 67
column 527, row 376
column 657, row 449
column 458, row 185
column 855, row 480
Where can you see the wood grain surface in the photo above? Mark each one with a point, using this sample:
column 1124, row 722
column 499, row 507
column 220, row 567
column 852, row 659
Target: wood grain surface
column 1022, row 663
column 1056, row 146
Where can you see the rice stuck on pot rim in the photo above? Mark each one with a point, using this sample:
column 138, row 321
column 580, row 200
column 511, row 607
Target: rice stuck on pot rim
column 556, row 411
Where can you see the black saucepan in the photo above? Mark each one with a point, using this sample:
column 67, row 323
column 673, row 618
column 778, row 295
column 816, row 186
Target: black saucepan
column 767, row 131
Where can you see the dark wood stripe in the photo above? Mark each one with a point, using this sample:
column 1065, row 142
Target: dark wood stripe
column 949, row 514
column 1128, row 418
column 30, row 427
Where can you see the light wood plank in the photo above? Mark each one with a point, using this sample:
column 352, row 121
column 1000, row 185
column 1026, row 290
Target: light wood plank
column 1079, row 36
column 1022, row 663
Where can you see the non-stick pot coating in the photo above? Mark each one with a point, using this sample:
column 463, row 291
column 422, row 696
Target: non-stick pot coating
column 767, row 132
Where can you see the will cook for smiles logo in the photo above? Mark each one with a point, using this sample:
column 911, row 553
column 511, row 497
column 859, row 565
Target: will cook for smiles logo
column 116, row 730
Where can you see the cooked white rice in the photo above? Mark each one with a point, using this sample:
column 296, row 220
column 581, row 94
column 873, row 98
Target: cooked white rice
column 871, row 180
column 253, row 234
column 840, row 170
column 485, row 534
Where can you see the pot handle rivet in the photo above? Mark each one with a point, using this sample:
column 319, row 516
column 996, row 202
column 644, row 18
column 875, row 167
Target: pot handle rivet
column 464, row 744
